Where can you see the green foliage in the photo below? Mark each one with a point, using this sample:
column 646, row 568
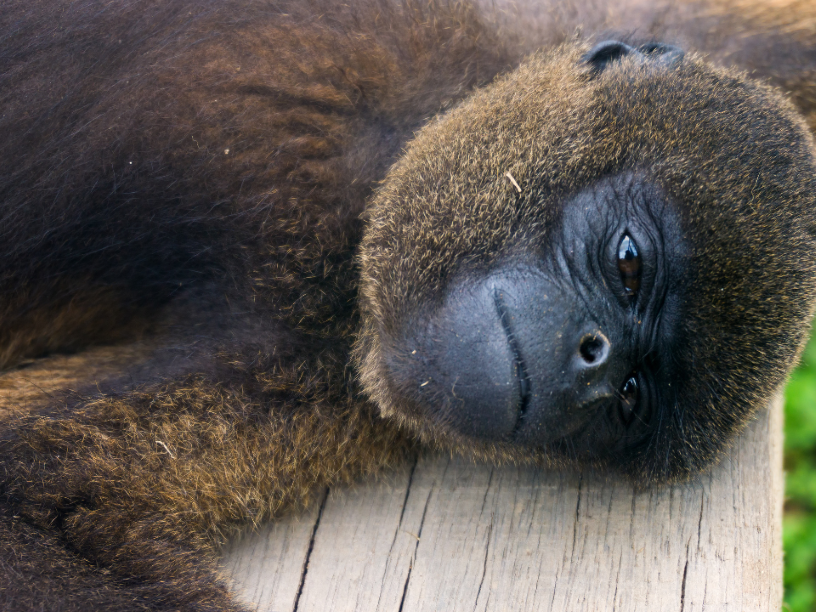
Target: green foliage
column 799, row 536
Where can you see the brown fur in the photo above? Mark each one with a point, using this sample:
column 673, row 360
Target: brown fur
column 183, row 187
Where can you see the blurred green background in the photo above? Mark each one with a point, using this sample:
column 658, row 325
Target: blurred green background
column 799, row 534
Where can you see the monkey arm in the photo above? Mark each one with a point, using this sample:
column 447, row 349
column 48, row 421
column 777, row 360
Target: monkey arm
column 148, row 483
column 39, row 572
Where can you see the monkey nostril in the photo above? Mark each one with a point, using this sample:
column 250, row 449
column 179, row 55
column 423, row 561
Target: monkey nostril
column 594, row 349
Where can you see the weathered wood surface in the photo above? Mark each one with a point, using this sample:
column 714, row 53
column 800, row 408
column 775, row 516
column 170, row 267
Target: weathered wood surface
column 448, row 535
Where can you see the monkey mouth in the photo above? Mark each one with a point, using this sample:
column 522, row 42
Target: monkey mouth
column 519, row 368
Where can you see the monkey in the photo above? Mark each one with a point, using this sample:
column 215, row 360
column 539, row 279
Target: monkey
column 254, row 249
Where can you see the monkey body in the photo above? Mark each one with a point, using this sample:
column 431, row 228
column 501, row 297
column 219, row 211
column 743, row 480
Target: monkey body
column 185, row 190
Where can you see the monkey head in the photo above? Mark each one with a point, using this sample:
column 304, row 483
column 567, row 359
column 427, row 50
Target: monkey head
column 606, row 256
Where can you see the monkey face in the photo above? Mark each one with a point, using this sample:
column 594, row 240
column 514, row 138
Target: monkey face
column 584, row 262
column 593, row 358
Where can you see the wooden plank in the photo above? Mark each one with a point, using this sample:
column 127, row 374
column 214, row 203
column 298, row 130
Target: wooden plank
column 270, row 564
column 445, row 534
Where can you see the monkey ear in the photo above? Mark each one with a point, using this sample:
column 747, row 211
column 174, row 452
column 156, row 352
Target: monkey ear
column 661, row 52
column 609, row 51
column 605, row 52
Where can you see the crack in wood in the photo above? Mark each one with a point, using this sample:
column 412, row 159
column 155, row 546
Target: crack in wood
column 487, row 551
column 617, row 583
column 397, row 531
column 577, row 515
column 305, row 569
column 416, row 547
column 405, row 588
column 407, row 493
column 489, row 532
column 705, row 592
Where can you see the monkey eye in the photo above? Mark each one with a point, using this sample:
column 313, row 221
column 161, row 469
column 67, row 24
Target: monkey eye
column 629, row 265
column 629, row 396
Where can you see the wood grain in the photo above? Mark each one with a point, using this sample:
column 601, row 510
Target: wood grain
column 445, row 534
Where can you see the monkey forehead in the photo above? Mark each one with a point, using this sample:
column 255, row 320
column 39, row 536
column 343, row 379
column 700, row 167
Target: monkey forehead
column 492, row 174
column 555, row 119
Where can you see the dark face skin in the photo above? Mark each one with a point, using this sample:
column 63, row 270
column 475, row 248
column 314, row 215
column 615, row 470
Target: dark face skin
column 564, row 343
column 615, row 298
